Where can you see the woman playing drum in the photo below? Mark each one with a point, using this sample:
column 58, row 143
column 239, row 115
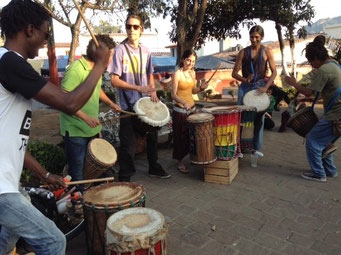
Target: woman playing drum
column 327, row 80
column 253, row 61
column 183, row 86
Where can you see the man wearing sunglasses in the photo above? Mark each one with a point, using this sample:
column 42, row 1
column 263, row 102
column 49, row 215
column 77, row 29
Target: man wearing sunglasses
column 24, row 24
column 132, row 72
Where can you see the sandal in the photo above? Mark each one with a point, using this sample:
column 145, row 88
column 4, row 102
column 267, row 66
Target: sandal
column 183, row 170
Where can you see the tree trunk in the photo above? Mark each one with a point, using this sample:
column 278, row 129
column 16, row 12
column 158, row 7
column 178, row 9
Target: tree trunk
column 75, row 31
column 292, row 50
column 188, row 24
column 281, row 46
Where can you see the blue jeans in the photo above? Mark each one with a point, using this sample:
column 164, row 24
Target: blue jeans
column 259, row 121
column 19, row 218
column 317, row 140
column 76, row 149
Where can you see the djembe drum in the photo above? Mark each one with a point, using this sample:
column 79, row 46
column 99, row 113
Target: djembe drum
column 226, row 130
column 303, row 121
column 100, row 156
column 152, row 115
column 136, row 231
column 248, row 116
column 255, row 99
column 100, row 202
column 201, row 148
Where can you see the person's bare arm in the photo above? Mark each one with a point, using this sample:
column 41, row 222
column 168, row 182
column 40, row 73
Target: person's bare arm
column 118, row 83
column 292, row 82
column 272, row 66
column 105, row 99
column 71, row 102
column 53, row 181
column 92, row 122
column 237, row 67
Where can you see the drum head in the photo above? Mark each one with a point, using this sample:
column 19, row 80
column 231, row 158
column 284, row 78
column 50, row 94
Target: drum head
column 113, row 194
column 103, row 151
column 139, row 223
column 255, row 99
column 220, row 109
column 155, row 114
column 200, row 117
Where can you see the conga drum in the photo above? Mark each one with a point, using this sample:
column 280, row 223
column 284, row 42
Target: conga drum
column 248, row 116
column 136, row 231
column 303, row 121
column 226, row 131
column 201, row 148
column 152, row 115
column 100, row 156
column 100, row 202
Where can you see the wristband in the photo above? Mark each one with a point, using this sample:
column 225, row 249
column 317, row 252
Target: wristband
column 47, row 175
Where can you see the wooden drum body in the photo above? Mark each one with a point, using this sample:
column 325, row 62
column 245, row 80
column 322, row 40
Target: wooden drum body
column 100, row 202
column 136, row 231
column 248, row 116
column 201, row 138
column 100, row 156
column 226, row 130
column 303, row 121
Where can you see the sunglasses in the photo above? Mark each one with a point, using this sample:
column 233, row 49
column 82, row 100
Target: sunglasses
column 136, row 27
column 47, row 34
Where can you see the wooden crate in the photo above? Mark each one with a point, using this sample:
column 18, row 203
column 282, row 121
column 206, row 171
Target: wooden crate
column 221, row 171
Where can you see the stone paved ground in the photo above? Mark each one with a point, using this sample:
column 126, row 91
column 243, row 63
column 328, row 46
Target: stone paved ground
column 268, row 210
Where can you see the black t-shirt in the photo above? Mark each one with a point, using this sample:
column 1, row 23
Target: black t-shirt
column 17, row 75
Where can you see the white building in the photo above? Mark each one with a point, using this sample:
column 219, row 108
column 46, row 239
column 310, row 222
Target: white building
column 333, row 31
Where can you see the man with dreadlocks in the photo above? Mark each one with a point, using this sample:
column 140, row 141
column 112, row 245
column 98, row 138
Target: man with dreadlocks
column 24, row 25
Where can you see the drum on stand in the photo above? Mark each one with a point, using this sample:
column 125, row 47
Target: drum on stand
column 136, row 231
column 201, row 149
column 152, row 115
column 100, row 156
column 248, row 116
column 100, row 202
column 226, row 130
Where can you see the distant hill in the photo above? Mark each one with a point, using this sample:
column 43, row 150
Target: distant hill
column 318, row 26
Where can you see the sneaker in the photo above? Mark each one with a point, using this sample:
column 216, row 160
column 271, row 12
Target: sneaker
column 332, row 175
column 259, row 154
column 159, row 174
column 328, row 150
column 313, row 177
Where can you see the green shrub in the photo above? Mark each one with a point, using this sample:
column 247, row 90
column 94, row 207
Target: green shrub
column 50, row 156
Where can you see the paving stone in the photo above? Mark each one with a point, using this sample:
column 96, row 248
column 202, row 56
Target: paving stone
column 300, row 239
column 216, row 247
column 326, row 248
column 293, row 249
column 225, row 237
column 195, row 239
column 269, row 241
column 248, row 222
column 333, row 238
column 276, row 230
column 245, row 232
column 251, row 248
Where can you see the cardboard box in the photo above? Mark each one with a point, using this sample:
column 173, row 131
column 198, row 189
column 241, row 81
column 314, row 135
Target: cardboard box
column 221, row 171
